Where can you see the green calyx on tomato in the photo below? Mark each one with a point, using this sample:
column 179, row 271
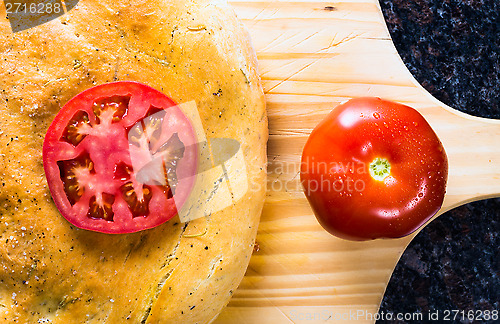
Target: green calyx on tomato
column 379, row 169
column 374, row 169
column 98, row 151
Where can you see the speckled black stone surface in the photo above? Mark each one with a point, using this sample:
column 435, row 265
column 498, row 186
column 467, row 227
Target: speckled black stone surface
column 452, row 47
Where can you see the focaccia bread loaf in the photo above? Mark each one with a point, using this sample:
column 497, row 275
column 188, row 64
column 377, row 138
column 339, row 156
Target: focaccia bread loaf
column 51, row 271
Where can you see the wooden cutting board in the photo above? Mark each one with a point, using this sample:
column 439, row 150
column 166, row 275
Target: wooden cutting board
column 314, row 55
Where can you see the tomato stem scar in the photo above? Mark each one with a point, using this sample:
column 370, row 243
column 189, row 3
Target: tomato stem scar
column 379, row 169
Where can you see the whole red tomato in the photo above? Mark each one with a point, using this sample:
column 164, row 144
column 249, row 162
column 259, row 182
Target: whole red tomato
column 116, row 155
column 374, row 169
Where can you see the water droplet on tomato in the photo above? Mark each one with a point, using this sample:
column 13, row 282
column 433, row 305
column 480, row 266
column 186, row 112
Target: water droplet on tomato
column 376, row 115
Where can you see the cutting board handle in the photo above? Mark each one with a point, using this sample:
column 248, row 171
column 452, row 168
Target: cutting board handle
column 312, row 56
column 473, row 148
column 471, row 143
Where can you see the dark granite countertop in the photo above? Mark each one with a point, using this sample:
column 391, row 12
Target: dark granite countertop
column 452, row 47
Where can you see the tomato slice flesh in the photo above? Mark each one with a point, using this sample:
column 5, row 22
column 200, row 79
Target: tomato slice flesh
column 72, row 172
column 100, row 141
column 72, row 133
column 101, row 208
column 137, row 200
column 114, row 107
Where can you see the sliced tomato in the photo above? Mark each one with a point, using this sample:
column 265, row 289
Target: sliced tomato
column 120, row 158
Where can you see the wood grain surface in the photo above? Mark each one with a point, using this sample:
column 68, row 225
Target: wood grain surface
column 314, row 55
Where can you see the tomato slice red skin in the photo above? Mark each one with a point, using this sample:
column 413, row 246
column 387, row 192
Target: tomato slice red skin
column 347, row 201
column 55, row 149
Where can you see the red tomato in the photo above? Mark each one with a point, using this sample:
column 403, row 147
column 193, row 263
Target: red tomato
column 374, row 169
column 102, row 153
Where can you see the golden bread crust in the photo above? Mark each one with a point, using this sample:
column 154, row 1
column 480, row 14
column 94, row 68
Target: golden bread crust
column 50, row 270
